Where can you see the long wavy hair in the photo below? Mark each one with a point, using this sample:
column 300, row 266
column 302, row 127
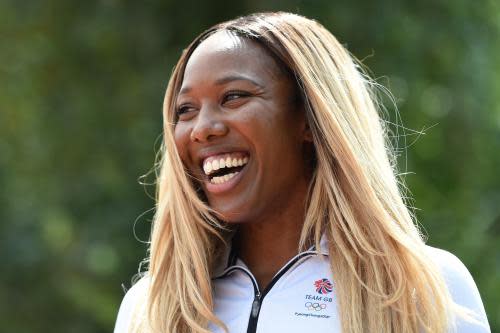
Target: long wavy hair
column 384, row 280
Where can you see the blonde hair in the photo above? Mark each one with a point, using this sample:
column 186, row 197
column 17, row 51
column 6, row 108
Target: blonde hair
column 384, row 279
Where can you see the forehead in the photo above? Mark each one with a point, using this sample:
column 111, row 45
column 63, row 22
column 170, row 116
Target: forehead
column 224, row 54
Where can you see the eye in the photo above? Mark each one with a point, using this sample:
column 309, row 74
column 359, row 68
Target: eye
column 234, row 97
column 183, row 111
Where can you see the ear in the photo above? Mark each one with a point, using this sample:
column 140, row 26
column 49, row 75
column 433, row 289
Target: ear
column 306, row 132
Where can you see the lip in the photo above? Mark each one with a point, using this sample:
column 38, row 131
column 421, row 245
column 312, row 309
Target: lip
column 226, row 186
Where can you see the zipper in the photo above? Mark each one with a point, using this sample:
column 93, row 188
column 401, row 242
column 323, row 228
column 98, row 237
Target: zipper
column 258, row 296
column 257, row 301
column 256, row 305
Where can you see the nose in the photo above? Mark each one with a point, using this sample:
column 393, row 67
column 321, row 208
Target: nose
column 208, row 125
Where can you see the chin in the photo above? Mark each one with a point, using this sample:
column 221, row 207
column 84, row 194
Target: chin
column 233, row 215
column 230, row 217
column 235, row 209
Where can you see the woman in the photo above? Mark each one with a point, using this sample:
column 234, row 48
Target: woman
column 278, row 206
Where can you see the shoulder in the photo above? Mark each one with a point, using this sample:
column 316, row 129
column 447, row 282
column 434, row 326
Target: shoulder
column 462, row 288
column 457, row 277
column 134, row 297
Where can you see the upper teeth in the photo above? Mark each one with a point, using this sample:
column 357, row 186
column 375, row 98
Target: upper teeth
column 211, row 165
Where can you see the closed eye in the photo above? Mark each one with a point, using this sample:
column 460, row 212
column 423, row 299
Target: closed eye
column 183, row 111
column 234, row 97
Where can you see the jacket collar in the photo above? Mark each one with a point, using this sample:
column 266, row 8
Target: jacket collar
column 229, row 257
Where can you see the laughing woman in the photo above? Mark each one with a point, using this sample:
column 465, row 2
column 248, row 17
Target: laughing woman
column 278, row 206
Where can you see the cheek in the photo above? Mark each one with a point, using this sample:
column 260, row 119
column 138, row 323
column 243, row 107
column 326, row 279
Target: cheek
column 181, row 138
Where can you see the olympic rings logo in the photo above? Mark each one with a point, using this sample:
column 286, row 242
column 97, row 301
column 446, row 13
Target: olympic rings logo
column 315, row 306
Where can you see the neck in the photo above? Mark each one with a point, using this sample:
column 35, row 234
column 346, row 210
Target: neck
column 268, row 244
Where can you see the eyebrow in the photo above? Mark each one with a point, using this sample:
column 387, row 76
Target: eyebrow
column 225, row 80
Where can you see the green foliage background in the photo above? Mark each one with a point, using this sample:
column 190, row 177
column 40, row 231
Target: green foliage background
column 82, row 84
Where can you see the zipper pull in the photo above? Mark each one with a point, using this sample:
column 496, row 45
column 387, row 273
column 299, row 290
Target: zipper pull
column 256, row 306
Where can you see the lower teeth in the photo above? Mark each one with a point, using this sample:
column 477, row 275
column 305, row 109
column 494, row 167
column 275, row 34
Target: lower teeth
column 223, row 179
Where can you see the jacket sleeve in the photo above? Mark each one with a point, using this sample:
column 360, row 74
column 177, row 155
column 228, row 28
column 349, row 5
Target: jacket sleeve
column 464, row 292
column 130, row 306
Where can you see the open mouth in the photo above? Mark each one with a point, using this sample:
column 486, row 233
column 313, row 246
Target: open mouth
column 221, row 168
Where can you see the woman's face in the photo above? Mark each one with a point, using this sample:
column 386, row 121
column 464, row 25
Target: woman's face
column 240, row 130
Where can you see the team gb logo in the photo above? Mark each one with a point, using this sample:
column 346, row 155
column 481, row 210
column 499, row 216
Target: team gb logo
column 323, row 286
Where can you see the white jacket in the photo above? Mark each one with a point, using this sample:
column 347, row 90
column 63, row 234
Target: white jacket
column 301, row 296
